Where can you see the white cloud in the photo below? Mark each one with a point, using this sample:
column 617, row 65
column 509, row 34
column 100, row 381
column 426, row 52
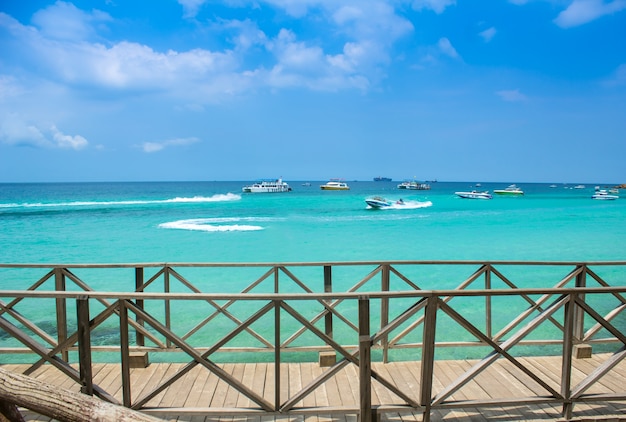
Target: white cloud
column 150, row 147
column 580, row 12
column 246, row 33
column 62, row 140
column 438, row 6
column 512, row 95
column 191, row 7
column 445, row 47
column 15, row 130
column 65, row 21
column 488, row 34
column 64, row 52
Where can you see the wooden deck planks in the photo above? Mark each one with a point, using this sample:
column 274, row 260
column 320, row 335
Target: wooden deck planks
column 200, row 388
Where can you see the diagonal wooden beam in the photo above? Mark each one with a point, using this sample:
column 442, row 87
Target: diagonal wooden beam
column 471, row 328
column 54, row 360
column 348, row 358
column 219, row 310
column 201, row 359
column 490, row 358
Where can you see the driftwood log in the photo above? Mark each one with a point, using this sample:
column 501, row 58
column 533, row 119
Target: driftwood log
column 9, row 412
column 59, row 403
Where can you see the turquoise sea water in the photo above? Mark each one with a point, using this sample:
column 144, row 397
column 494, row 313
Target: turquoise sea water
column 71, row 223
column 215, row 222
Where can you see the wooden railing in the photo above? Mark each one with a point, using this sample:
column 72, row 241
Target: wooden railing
column 58, row 319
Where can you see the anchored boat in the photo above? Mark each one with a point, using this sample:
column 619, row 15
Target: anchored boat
column 335, row 184
column 602, row 194
column 511, row 190
column 267, row 186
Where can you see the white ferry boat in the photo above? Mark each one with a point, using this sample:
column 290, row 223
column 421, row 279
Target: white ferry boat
column 413, row 185
column 335, row 184
column 267, row 186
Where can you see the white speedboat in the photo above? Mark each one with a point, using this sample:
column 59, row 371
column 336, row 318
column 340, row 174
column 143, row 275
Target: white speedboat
column 511, row 190
column 474, row 195
column 267, row 186
column 378, row 202
column 335, row 184
column 604, row 195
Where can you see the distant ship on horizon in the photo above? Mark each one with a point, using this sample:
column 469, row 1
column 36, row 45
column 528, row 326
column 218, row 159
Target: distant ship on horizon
column 382, row 179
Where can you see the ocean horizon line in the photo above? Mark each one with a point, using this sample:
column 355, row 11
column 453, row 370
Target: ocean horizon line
column 304, row 180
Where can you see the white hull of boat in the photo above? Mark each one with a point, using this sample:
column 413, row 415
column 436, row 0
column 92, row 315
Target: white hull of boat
column 377, row 203
column 604, row 196
column 512, row 190
column 335, row 186
column 474, row 195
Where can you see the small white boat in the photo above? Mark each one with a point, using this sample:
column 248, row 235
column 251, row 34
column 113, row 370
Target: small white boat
column 378, row 202
column 602, row 194
column 335, row 184
column 413, row 185
column 474, row 195
column 267, row 186
column 511, row 190
column 579, row 187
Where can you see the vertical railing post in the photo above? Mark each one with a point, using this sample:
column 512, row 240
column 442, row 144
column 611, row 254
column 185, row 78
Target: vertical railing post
column 488, row 319
column 365, row 368
column 384, row 311
column 84, row 345
column 125, row 352
column 168, row 316
column 579, row 314
column 428, row 355
column 568, row 345
column 139, row 279
column 277, row 342
column 276, row 280
column 61, row 310
column 328, row 288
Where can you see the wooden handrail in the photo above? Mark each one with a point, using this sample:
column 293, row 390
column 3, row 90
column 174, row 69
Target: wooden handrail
column 564, row 305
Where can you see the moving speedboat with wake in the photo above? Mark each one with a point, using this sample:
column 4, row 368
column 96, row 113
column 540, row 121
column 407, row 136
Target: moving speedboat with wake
column 474, row 195
column 378, row 202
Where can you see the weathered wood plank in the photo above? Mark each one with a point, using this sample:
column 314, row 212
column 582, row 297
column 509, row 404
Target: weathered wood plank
column 443, row 376
column 158, row 377
column 199, row 389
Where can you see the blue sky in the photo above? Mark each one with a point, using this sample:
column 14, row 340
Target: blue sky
column 465, row 90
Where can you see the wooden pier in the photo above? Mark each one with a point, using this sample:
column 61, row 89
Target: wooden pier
column 248, row 356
